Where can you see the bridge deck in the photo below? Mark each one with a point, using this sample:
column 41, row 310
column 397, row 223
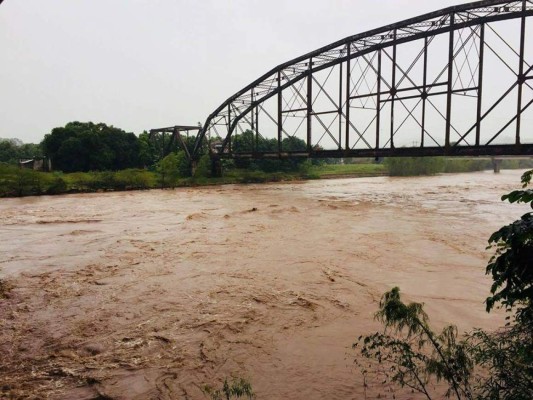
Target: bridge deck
column 499, row 151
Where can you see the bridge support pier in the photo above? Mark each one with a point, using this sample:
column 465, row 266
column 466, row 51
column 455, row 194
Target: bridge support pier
column 194, row 165
column 497, row 165
column 216, row 168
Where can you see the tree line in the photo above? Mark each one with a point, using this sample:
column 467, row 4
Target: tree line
column 88, row 146
column 13, row 150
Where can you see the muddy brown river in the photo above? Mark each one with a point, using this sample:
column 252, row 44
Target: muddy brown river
column 152, row 295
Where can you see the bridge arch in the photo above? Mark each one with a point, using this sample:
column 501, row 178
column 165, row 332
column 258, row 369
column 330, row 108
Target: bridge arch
column 375, row 94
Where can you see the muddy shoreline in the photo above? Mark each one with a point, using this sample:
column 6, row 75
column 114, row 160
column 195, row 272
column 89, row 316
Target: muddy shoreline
column 151, row 295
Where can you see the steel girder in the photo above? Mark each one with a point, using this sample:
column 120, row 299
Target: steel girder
column 174, row 133
column 465, row 29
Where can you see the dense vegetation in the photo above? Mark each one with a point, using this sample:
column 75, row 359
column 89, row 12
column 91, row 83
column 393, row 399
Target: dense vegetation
column 235, row 389
column 414, row 166
column 82, row 147
column 93, row 157
column 483, row 365
column 12, row 150
column 15, row 181
column 247, row 142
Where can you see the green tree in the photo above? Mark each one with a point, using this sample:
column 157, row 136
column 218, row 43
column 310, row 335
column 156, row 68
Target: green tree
column 506, row 356
column 123, row 146
column 148, row 154
column 11, row 150
column 184, row 165
column 293, row 144
column 84, row 146
column 243, row 143
column 168, row 170
column 71, row 156
column 30, row 150
column 246, row 142
column 203, row 169
column 508, row 353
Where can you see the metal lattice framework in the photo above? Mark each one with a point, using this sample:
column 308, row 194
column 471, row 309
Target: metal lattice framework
column 164, row 145
column 453, row 82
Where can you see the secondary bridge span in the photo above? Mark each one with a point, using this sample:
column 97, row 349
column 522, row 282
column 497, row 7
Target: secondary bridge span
column 454, row 82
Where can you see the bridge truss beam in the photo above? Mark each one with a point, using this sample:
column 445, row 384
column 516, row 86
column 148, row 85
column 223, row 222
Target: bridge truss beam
column 458, row 81
column 166, row 140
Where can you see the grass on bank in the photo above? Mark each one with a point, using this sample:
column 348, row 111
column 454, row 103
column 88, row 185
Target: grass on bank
column 327, row 170
column 416, row 166
column 23, row 182
column 15, row 181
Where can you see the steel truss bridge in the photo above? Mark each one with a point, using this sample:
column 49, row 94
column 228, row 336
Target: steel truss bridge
column 455, row 82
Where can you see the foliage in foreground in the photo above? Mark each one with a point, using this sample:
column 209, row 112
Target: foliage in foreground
column 512, row 265
column 413, row 354
column 506, row 356
column 483, row 365
column 237, row 388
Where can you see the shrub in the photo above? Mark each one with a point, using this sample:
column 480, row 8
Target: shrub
column 235, row 389
column 414, row 166
column 184, row 165
column 24, row 182
column 57, row 186
column 168, row 170
column 134, row 179
column 80, row 181
column 466, row 165
column 203, row 169
column 412, row 354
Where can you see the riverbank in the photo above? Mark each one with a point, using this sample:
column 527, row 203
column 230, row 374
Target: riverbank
column 16, row 182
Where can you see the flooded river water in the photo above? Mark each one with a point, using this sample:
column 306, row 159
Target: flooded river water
column 152, row 295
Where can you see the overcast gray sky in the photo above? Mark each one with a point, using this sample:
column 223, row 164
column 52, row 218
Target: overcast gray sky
column 140, row 64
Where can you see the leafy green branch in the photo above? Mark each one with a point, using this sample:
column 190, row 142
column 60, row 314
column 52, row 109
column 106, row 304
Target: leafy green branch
column 416, row 355
column 511, row 266
column 237, row 388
